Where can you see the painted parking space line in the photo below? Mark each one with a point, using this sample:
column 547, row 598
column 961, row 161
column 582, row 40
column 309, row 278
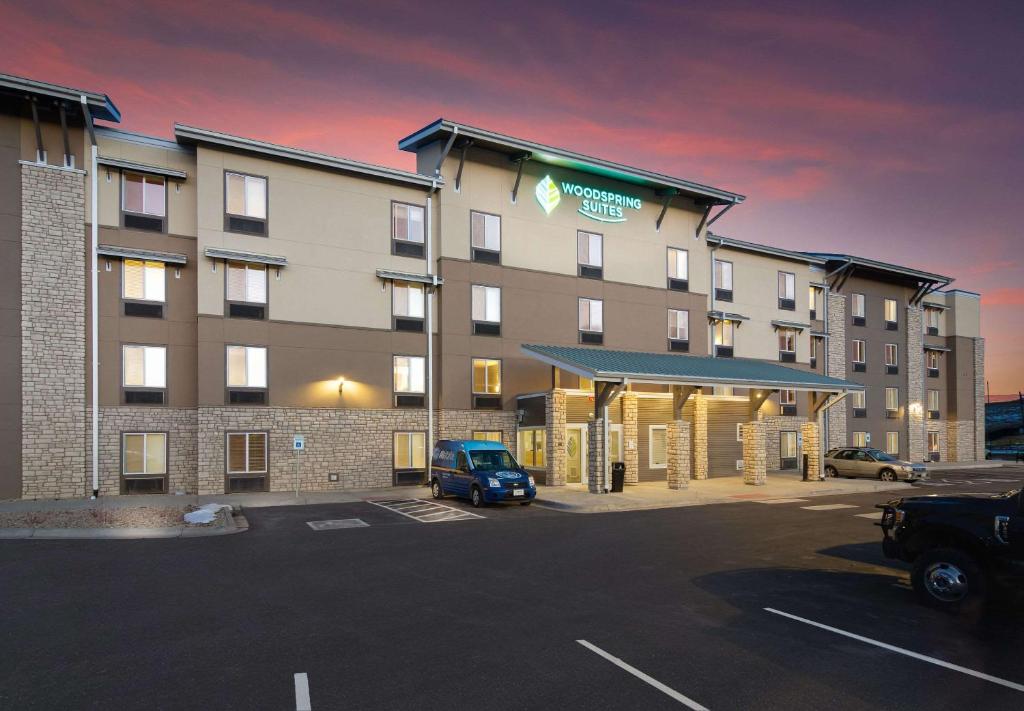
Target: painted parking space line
column 302, row 702
column 424, row 511
column 779, row 501
column 829, row 507
column 335, row 524
column 899, row 650
column 877, row 515
column 668, row 691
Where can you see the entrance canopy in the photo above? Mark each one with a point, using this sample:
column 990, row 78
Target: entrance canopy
column 612, row 366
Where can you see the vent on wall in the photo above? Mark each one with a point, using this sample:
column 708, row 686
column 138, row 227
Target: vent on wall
column 679, row 284
column 142, row 222
column 739, row 465
column 146, row 310
column 407, row 249
column 487, row 402
column 486, row 256
column 481, row 328
column 409, row 400
column 679, row 346
column 246, row 225
column 591, row 339
column 247, row 397
column 414, row 325
column 247, row 311
column 144, row 397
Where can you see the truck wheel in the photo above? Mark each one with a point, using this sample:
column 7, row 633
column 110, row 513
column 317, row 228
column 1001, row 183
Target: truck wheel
column 435, row 489
column 887, row 475
column 476, row 497
column 831, row 472
column 948, row 579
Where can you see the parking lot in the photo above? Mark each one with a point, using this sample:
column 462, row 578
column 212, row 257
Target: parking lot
column 746, row 605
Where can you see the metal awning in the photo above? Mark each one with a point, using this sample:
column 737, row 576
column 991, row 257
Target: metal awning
column 142, row 168
column 726, row 316
column 389, row 275
column 113, row 250
column 942, row 349
column 602, row 364
column 795, row 325
column 233, row 255
column 819, row 334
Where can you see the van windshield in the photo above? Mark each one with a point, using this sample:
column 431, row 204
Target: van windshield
column 492, row 460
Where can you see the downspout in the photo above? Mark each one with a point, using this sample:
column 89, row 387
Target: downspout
column 823, row 427
column 430, row 332
column 711, row 325
column 94, row 309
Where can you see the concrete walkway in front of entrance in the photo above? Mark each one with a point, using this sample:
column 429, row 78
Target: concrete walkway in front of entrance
column 575, row 498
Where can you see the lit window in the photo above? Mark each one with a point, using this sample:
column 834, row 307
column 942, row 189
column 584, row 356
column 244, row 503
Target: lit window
column 858, row 399
column 589, row 253
column 787, row 287
column 890, row 310
column 486, row 304
column 407, row 299
column 860, row 439
column 890, row 354
column 407, row 223
column 933, row 442
column 247, row 282
column 246, row 195
column 892, row 443
column 486, row 231
column 678, row 263
column 410, row 374
column 858, row 351
column 615, row 443
column 892, row 399
column 144, row 366
column 787, row 445
column 812, row 295
column 787, row 340
column 247, row 367
column 144, row 453
column 814, row 348
column 857, row 305
column 932, row 360
column 486, row 376
column 591, row 316
column 678, row 325
column 247, row 452
column 144, row 194
column 531, row 449
column 931, row 319
column 787, row 397
column 723, row 275
column 487, row 435
column 657, row 447
column 410, row 450
column 143, row 280
column 933, row 400
column 724, row 333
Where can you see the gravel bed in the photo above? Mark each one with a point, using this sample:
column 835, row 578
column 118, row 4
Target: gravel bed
column 138, row 517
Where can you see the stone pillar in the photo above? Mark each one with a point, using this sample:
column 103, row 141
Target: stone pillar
column 630, row 437
column 54, row 441
column 755, row 455
column 700, row 436
column 836, row 352
column 917, row 443
column 979, row 399
column 595, row 456
column 811, row 448
column 678, row 443
column 554, row 419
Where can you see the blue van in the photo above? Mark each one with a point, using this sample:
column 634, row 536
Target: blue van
column 482, row 471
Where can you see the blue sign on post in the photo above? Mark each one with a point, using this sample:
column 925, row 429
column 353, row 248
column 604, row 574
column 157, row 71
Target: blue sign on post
column 298, row 442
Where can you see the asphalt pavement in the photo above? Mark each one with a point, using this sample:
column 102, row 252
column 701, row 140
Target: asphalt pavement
column 743, row 605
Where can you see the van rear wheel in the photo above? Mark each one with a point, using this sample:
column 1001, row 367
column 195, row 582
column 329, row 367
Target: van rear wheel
column 435, row 489
column 476, row 497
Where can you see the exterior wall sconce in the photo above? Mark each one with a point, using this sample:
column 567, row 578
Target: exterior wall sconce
column 916, row 408
column 341, row 386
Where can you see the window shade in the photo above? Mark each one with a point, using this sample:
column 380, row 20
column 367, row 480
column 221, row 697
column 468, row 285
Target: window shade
column 134, row 279
column 236, row 452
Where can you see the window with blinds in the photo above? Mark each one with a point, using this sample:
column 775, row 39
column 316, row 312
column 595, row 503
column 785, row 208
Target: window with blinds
column 407, row 234
column 487, row 435
column 144, row 366
column 144, row 453
column 247, row 366
column 410, row 374
column 247, row 453
column 486, row 376
column 589, row 254
column 532, row 445
column 410, row 450
column 143, row 194
column 407, row 306
column 247, row 282
column 486, row 310
column 142, row 280
column 657, row 447
column 485, row 237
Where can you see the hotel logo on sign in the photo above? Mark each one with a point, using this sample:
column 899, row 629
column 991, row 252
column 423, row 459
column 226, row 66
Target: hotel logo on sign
column 601, row 205
column 547, row 194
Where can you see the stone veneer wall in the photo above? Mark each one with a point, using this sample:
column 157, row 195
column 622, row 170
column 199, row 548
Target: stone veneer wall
column 180, row 425
column 595, row 456
column 554, row 418
column 836, row 367
column 917, row 444
column 960, row 440
column 460, row 424
column 811, row 447
column 631, row 437
column 755, row 460
column 979, row 398
column 773, row 425
column 678, row 439
column 700, row 436
column 54, row 442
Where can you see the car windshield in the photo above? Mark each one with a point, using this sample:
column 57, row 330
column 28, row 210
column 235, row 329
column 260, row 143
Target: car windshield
column 492, row 459
column 881, row 456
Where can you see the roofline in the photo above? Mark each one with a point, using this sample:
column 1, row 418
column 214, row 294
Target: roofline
column 99, row 104
column 120, row 134
column 743, row 246
column 193, row 134
column 883, row 266
column 171, row 173
column 540, row 150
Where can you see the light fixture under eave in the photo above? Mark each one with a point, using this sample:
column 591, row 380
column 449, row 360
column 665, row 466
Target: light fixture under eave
column 341, row 386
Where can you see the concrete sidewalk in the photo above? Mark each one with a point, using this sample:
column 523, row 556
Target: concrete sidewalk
column 977, row 464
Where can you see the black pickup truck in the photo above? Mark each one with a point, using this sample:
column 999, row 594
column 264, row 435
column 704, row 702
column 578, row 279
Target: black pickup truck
column 959, row 545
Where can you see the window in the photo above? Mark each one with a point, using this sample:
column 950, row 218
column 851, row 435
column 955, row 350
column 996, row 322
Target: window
column 615, row 443
column 890, row 314
column 487, row 435
column 787, row 345
column 410, row 450
column 246, row 289
column 814, row 352
column 892, row 443
column 142, row 281
column 486, row 376
column 787, row 401
column 585, row 384
column 857, row 309
column 247, row 367
column 410, row 374
column 144, row 453
column 144, row 374
column 723, row 280
column 858, row 401
column 931, row 321
column 931, row 359
column 485, row 237
column 245, row 203
column 486, row 310
column 813, row 294
column 860, row 439
column 678, row 329
column 247, row 452
column 787, row 291
column 787, row 449
column 933, row 446
column 407, row 306
column 892, row 401
column 859, row 365
column 532, row 443
column 591, row 321
column 724, row 338
column 678, row 269
column 891, row 359
column 933, row 405
column 657, row 447
column 143, row 201
column 407, row 235
column 589, row 257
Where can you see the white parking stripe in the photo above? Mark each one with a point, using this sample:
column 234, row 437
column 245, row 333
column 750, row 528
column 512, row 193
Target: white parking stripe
column 779, row 501
column 668, row 691
column 423, row 511
column 302, row 693
column 877, row 515
column 931, row 660
column 829, row 507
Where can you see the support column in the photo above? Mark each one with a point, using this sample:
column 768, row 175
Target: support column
column 700, row 436
column 836, row 350
column 630, row 437
column 554, row 419
column 916, row 438
column 678, row 442
column 979, row 400
column 811, row 448
column 755, row 455
column 595, row 456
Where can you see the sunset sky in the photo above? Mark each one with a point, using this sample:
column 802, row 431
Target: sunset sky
column 893, row 131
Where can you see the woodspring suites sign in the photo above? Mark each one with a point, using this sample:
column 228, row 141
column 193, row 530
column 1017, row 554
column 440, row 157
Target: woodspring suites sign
column 597, row 204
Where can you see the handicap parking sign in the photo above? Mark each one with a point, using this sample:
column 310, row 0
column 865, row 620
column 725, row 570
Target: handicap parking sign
column 298, row 442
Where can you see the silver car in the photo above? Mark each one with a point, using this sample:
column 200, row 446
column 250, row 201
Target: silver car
column 871, row 463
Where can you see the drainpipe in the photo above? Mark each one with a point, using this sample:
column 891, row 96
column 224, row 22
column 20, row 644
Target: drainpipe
column 823, row 426
column 711, row 326
column 429, row 447
column 94, row 310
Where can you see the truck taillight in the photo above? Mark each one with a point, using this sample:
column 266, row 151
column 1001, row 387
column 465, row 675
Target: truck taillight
column 1002, row 529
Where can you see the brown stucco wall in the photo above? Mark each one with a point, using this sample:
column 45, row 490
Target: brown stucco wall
column 10, row 307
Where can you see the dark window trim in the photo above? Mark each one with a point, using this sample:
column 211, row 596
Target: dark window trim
column 933, row 372
column 123, row 211
column 391, row 229
column 723, row 295
column 860, row 412
column 501, row 375
column 246, row 475
column 266, row 205
column 933, row 330
column 892, row 326
column 473, row 250
column 166, row 476
column 787, row 356
column 228, row 389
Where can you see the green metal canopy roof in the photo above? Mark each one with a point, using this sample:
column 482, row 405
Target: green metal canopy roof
column 671, row 368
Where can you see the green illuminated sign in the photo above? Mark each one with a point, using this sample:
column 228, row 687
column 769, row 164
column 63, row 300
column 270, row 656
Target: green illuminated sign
column 601, row 205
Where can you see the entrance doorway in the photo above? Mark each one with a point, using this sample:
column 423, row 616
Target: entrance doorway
column 576, row 454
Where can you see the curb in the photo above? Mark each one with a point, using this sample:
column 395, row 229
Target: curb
column 230, row 522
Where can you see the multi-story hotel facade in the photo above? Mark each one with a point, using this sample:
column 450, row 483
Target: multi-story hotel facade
column 260, row 315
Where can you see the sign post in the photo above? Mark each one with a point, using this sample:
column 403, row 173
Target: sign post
column 298, row 445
